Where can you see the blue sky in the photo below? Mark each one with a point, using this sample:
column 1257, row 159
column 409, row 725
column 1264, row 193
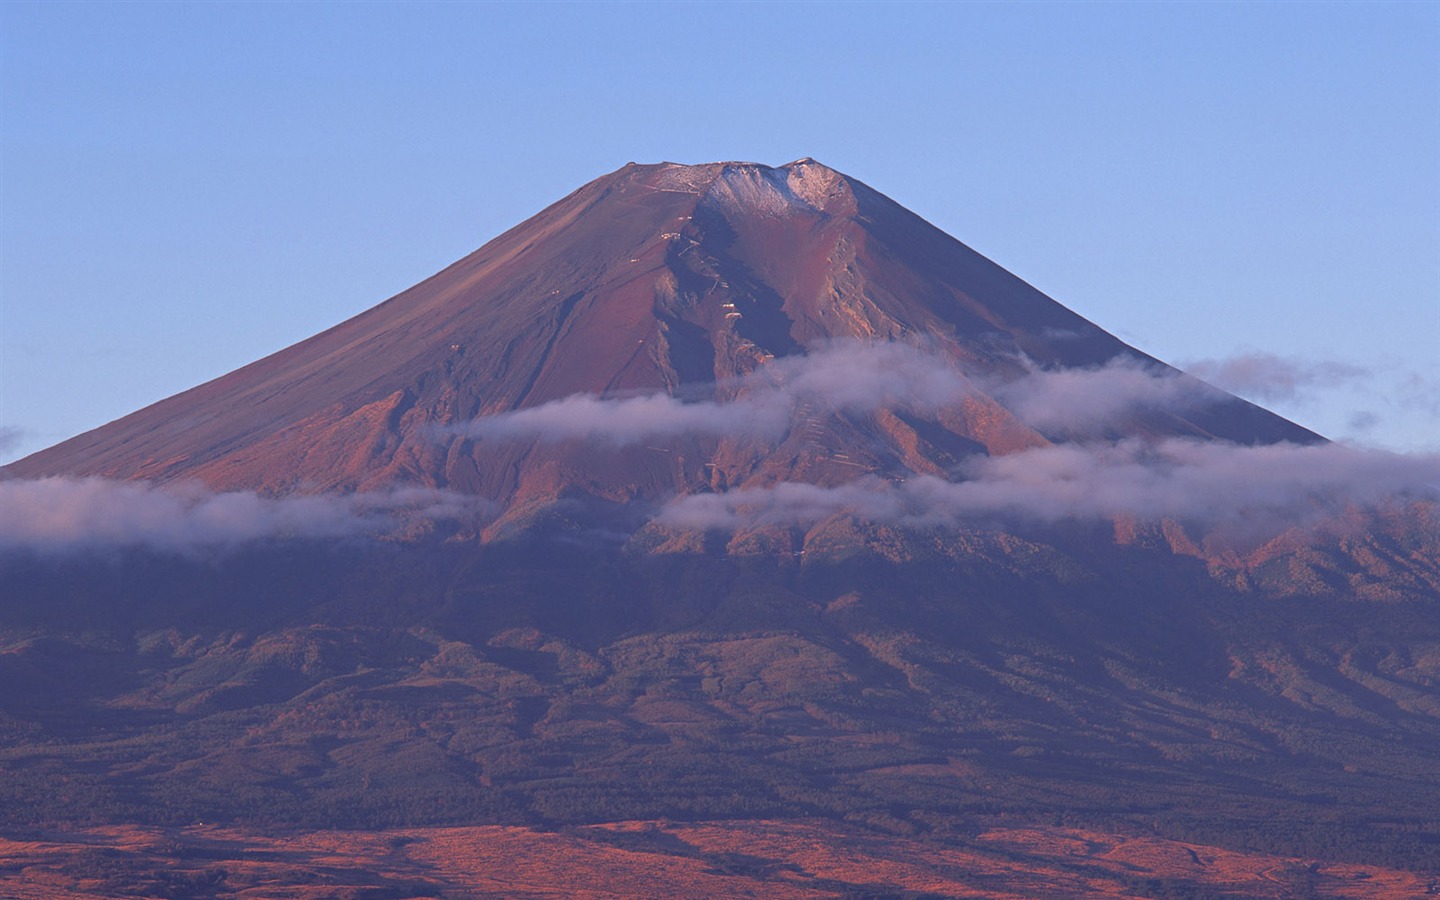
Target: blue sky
column 187, row 187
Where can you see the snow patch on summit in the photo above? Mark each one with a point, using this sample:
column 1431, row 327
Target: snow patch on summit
column 753, row 188
column 686, row 179
column 756, row 189
column 818, row 185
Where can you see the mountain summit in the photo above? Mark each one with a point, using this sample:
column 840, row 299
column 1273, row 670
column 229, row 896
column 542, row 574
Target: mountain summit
column 692, row 283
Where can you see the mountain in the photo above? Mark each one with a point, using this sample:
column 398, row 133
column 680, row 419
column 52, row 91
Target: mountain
column 757, row 518
column 677, row 279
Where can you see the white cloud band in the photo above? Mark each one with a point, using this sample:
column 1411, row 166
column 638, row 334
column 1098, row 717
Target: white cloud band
column 59, row 514
column 1268, row 488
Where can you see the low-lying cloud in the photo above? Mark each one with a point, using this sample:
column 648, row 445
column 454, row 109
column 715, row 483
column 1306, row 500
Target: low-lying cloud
column 850, row 377
column 633, row 420
column 1208, row 483
column 1087, row 400
column 858, row 377
column 62, row 514
column 1268, row 377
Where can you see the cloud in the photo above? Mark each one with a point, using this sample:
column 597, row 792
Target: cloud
column 10, row 439
column 62, row 514
column 1362, row 421
column 844, row 376
column 1419, row 393
column 632, row 420
column 1268, row 377
column 1087, row 400
column 1208, row 483
column 1379, row 400
column 858, row 377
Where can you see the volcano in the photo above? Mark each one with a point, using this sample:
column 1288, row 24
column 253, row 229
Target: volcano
column 796, row 524
column 657, row 278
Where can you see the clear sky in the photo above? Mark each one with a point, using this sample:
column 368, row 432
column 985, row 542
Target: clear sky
column 1250, row 188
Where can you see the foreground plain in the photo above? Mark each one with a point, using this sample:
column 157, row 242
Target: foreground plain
column 796, row 859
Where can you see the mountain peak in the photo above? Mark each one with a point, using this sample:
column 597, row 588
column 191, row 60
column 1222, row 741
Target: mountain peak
column 737, row 186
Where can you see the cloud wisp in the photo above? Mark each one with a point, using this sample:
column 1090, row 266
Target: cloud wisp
column 857, row 377
column 1211, row 484
column 1377, row 400
column 1268, row 377
column 51, row 515
column 851, row 377
column 1087, row 400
